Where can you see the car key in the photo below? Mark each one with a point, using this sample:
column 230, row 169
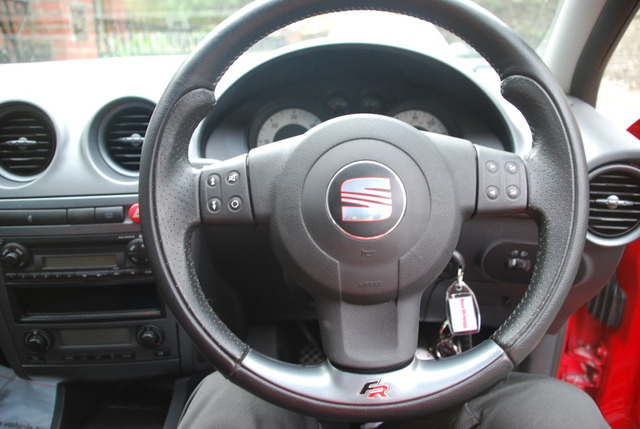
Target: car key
column 445, row 346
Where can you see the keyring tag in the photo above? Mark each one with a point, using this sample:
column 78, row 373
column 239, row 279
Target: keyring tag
column 463, row 313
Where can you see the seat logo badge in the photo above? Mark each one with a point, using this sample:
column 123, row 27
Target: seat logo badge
column 366, row 199
column 374, row 389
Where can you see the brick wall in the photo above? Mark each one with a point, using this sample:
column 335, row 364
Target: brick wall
column 43, row 30
column 62, row 29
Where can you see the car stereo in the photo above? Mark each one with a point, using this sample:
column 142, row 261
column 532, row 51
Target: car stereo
column 27, row 259
column 78, row 299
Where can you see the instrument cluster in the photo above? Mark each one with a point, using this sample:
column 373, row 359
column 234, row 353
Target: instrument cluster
column 292, row 117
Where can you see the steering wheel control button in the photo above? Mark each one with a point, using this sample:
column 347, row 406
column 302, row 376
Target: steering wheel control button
column 215, row 205
column 492, row 167
column 511, row 167
column 503, row 182
column 213, row 180
column 224, row 192
column 513, row 192
column 366, row 200
column 235, row 204
column 233, row 177
column 493, row 193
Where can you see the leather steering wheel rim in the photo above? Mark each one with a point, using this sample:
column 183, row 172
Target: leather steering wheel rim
column 557, row 192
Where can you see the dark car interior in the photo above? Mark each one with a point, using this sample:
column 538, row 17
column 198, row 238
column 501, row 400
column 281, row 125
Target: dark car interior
column 113, row 311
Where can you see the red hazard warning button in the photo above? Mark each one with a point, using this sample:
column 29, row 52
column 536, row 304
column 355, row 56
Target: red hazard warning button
column 134, row 213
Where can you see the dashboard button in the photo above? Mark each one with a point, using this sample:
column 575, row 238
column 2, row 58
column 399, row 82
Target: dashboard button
column 33, row 217
column 109, row 214
column 115, row 273
column 100, row 274
column 134, row 213
column 161, row 352
column 80, row 216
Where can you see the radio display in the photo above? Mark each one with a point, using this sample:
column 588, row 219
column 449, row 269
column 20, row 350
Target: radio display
column 79, row 261
column 94, row 337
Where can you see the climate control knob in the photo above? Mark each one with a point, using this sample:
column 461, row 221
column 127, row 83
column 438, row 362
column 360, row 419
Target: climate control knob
column 37, row 340
column 150, row 336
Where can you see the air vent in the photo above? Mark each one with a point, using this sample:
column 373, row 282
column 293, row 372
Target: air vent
column 27, row 140
column 614, row 210
column 123, row 133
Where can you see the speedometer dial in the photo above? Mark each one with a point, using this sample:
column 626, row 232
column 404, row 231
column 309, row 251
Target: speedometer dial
column 285, row 123
column 422, row 120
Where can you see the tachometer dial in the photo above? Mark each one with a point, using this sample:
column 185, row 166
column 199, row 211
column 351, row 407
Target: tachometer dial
column 422, row 120
column 285, row 123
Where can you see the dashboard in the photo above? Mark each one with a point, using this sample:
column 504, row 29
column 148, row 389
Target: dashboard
column 76, row 294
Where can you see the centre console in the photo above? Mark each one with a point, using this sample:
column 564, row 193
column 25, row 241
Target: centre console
column 77, row 296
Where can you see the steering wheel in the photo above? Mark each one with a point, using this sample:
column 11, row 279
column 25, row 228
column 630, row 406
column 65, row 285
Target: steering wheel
column 366, row 265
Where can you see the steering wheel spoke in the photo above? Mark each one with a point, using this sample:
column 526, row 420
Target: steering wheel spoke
column 370, row 337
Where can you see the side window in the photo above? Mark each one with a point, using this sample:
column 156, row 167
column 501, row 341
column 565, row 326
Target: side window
column 619, row 96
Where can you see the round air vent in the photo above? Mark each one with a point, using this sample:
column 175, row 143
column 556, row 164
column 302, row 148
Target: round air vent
column 614, row 210
column 27, row 140
column 122, row 134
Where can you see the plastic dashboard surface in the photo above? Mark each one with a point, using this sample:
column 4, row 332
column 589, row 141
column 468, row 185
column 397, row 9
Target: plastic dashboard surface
column 277, row 98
